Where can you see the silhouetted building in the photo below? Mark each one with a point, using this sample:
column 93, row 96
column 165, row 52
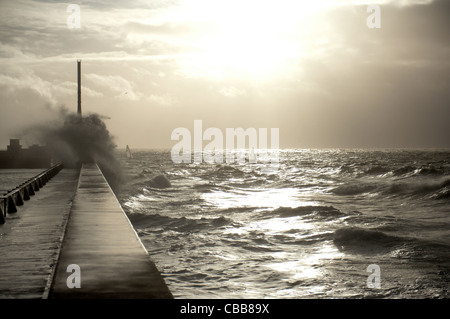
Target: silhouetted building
column 17, row 157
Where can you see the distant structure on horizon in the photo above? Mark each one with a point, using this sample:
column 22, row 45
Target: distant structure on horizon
column 17, row 157
column 128, row 152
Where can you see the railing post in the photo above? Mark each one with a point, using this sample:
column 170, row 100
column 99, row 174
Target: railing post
column 19, row 199
column 30, row 189
column 35, row 185
column 39, row 180
column 26, row 196
column 11, row 205
column 2, row 212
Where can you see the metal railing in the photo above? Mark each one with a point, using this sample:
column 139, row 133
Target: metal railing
column 17, row 196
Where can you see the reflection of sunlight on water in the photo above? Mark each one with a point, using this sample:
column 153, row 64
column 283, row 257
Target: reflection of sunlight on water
column 227, row 257
column 273, row 198
column 137, row 202
column 296, row 269
column 307, row 265
column 278, row 225
column 290, row 226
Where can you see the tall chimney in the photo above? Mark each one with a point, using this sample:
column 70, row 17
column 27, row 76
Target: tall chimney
column 79, row 87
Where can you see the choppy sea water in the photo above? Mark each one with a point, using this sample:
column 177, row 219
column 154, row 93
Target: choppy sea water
column 11, row 178
column 309, row 230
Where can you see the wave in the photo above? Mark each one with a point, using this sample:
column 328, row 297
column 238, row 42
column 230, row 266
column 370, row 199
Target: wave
column 373, row 241
column 318, row 211
column 305, row 240
column 355, row 239
column 204, row 188
column 405, row 170
column 441, row 194
column 363, row 169
column 347, row 168
column 137, row 183
column 381, row 241
column 159, row 181
column 248, row 175
column 142, row 220
column 160, row 223
column 429, row 170
column 428, row 189
column 423, row 187
column 376, row 170
column 415, row 171
column 353, row 189
column 223, row 170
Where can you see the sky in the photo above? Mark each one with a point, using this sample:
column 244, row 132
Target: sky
column 312, row 69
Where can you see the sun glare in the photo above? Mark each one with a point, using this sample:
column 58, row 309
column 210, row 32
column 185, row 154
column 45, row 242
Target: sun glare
column 252, row 38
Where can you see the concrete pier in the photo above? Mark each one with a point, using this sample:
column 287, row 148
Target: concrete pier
column 75, row 219
column 100, row 240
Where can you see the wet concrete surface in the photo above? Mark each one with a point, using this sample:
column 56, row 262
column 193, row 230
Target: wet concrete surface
column 30, row 239
column 101, row 241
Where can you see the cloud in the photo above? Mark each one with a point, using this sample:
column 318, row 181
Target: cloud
column 163, row 100
column 123, row 88
column 168, row 28
column 27, row 80
column 9, row 51
column 231, row 91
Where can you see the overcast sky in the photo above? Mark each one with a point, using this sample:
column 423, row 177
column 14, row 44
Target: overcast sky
column 313, row 69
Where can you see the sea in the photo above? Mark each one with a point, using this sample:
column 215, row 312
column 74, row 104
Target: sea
column 329, row 223
column 13, row 177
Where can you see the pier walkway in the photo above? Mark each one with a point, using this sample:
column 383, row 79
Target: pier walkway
column 101, row 241
column 75, row 220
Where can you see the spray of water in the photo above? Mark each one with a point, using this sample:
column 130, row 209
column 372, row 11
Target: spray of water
column 73, row 140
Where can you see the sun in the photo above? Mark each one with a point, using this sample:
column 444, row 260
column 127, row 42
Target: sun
column 257, row 38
